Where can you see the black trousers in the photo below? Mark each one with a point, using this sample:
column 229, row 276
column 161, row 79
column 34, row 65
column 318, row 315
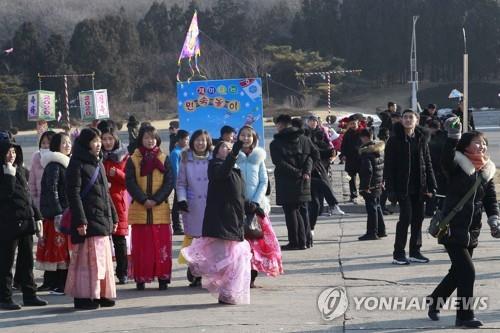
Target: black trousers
column 411, row 213
column 352, row 184
column 383, row 199
column 461, row 277
column 24, row 267
column 176, row 222
column 55, row 279
column 295, row 224
column 320, row 190
column 375, row 220
column 120, row 245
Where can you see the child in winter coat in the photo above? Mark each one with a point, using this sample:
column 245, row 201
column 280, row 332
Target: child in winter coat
column 192, row 186
column 52, row 253
column 222, row 255
column 115, row 157
column 36, row 171
column 251, row 161
column 149, row 180
column 182, row 142
column 371, row 183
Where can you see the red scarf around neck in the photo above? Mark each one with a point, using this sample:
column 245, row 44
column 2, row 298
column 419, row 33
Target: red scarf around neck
column 150, row 161
column 479, row 160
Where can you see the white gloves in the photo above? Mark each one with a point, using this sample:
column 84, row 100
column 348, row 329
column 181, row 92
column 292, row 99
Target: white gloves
column 39, row 228
column 494, row 224
column 9, row 169
column 57, row 222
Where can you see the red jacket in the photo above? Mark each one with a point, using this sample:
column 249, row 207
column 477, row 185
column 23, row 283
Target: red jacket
column 118, row 159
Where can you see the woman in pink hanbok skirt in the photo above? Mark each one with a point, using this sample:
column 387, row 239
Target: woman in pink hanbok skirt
column 222, row 255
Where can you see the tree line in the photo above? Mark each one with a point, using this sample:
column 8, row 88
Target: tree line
column 137, row 60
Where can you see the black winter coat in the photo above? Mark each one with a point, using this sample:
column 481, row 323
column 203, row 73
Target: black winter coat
column 426, row 117
column 224, row 211
column 53, row 199
column 385, row 129
column 397, row 161
column 17, row 207
column 350, row 149
column 371, row 173
column 96, row 209
column 322, row 154
column 291, row 153
column 436, row 145
column 465, row 226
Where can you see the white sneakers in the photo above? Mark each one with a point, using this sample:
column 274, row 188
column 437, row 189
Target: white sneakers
column 337, row 211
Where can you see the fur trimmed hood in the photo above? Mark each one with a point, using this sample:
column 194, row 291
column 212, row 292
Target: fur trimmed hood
column 54, row 156
column 256, row 156
column 372, row 147
column 467, row 166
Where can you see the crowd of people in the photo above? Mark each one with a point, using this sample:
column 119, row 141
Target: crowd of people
column 92, row 198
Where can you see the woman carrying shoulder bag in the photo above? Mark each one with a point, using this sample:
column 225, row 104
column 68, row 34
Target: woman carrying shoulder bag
column 91, row 278
column 464, row 159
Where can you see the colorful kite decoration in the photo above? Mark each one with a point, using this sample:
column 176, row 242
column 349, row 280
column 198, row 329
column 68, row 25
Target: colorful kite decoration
column 191, row 48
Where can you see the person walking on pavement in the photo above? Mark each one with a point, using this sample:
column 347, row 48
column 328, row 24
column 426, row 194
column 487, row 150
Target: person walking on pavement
column 409, row 178
column 371, row 183
column 20, row 220
column 350, row 151
column 291, row 154
column 465, row 162
column 182, row 143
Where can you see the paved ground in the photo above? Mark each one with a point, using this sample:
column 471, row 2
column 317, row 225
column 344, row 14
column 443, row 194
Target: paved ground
column 287, row 303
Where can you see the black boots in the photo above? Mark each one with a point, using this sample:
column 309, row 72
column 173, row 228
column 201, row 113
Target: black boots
column 9, row 305
column 253, row 276
column 85, row 304
column 34, row 301
column 163, row 284
column 471, row 323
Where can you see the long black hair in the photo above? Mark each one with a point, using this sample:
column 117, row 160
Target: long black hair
column 47, row 134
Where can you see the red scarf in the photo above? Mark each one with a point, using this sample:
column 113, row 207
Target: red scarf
column 150, row 161
column 479, row 160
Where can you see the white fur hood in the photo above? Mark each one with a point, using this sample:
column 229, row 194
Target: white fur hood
column 467, row 166
column 54, row 156
column 257, row 156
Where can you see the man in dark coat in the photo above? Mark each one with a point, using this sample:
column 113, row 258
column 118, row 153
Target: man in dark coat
column 428, row 115
column 350, row 150
column 291, row 154
column 385, row 128
column 20, row 220
column 371, row 183
column 436, row 144
column 409, row 178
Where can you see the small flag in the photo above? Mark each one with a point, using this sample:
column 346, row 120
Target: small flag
column 191, row 48
column 8, row 51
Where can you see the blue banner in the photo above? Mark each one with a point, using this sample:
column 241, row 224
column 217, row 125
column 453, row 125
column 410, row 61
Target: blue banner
column 211, row 104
